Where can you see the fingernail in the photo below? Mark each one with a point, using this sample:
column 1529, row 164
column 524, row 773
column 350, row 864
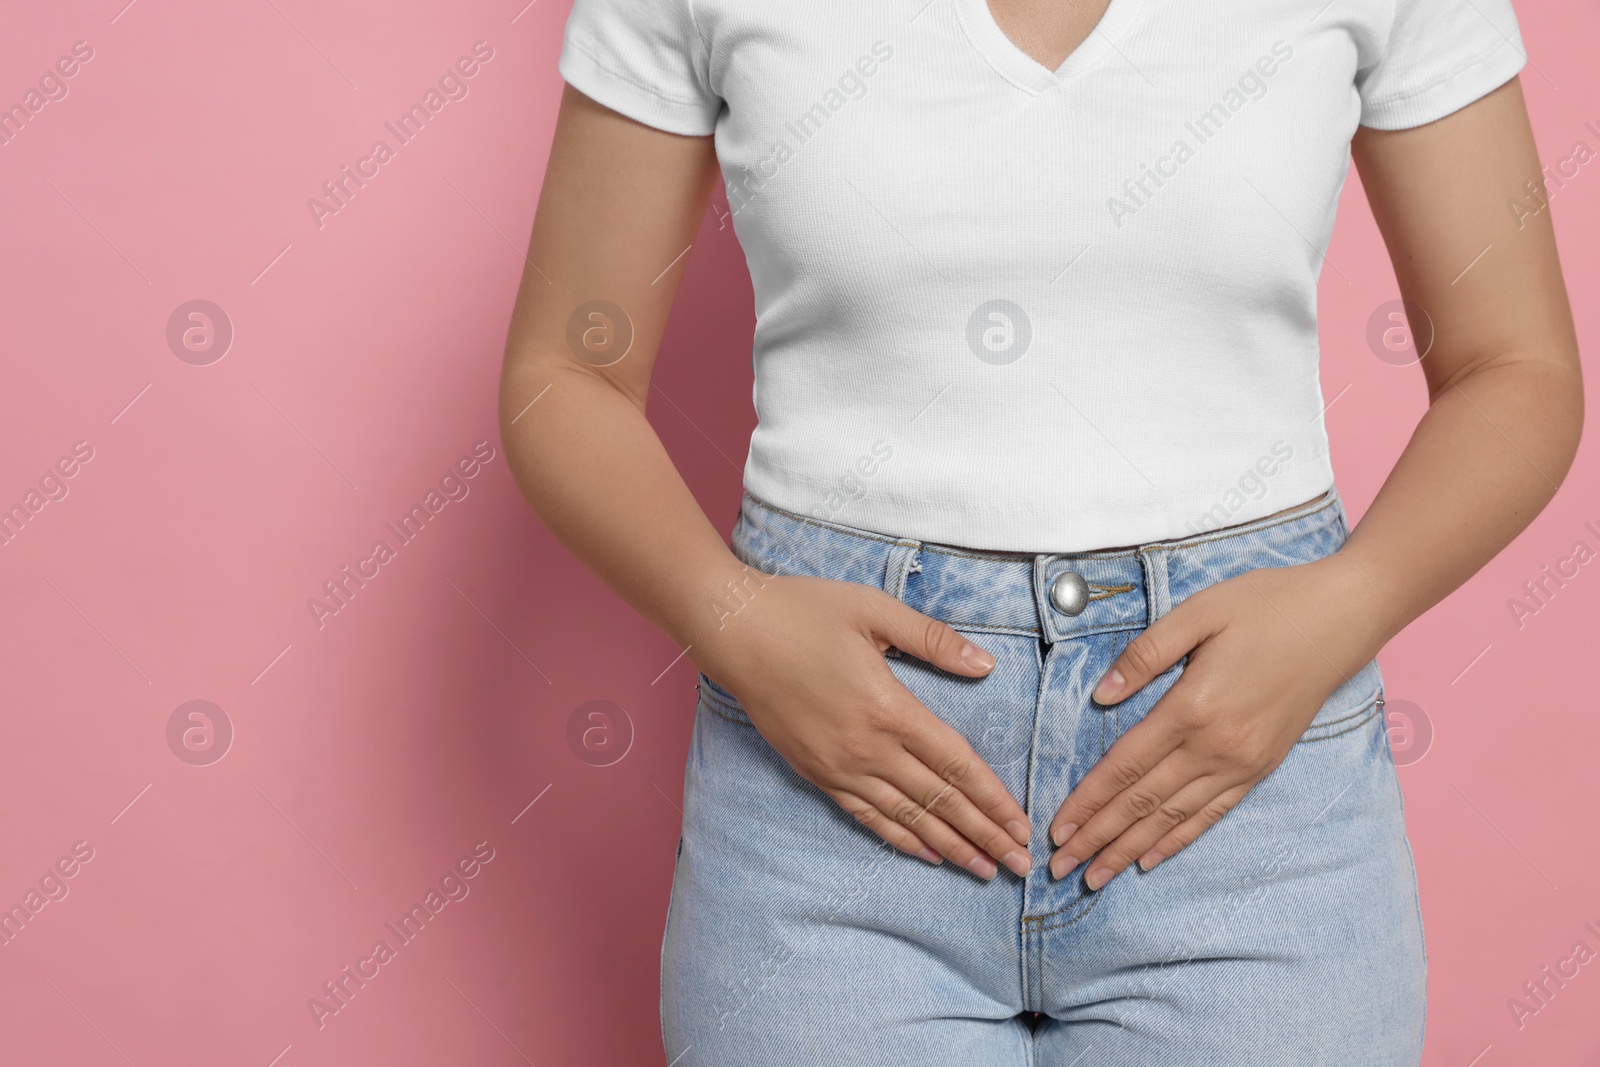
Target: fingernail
column 1109, row 687
column 1020, row 832
column 931, row 856
column 1061, row 833
column 983, row 867
column 1150, row 859
column 1019, row 863
column 975, row 657
column 1098, row 877
column 1062, row 863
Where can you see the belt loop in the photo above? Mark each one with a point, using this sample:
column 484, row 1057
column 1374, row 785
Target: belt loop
column 904, row 559
column 1158, row 598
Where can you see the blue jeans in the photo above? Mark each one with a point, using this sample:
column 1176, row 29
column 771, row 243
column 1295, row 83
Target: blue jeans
column 1288, row 934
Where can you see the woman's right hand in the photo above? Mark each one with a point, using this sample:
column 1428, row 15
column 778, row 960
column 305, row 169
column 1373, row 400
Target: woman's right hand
column 805, row 657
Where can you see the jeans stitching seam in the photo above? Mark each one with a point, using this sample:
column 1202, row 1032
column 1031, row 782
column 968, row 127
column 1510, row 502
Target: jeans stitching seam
column 1360, row 710
column 1125, row 625
column 1026, row 976
column 995, row 556
column 1093, row 897
column 1367, row 714
column 1038, row 992
column 987, row 629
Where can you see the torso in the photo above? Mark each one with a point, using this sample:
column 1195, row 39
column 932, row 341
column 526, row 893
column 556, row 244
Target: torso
column 1040, row 277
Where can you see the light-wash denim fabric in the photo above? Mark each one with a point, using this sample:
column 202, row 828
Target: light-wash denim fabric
column 1288, row 934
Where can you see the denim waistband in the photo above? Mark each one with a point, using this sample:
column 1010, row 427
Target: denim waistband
column 1007, row 592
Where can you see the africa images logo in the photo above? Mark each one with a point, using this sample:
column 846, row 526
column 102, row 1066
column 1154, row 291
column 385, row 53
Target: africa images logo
column 453, row 84
column 339, row 592
column 1251, row 85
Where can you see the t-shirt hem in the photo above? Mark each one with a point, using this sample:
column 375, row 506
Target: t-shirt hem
column 584, row 71
column 1444, row 96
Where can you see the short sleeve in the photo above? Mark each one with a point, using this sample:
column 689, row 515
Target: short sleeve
column 1440, row 56
column 643, row 59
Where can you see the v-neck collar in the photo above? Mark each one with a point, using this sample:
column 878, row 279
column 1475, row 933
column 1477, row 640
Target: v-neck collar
column 1027, row 73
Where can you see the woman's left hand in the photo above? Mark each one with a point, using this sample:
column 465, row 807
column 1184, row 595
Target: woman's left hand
column 1265, row 650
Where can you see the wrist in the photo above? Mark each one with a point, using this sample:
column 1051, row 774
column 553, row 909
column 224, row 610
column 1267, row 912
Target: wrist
column 709, row 626
column 1364, row 607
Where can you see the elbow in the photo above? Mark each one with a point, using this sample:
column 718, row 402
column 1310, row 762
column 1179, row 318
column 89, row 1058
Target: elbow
column 1561, row 413
column 1534, row 400
column 521, row 387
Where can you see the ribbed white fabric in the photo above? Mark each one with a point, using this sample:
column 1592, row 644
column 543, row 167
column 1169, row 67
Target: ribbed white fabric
column 1018, row 309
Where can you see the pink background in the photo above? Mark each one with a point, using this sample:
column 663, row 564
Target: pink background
column 373, row 752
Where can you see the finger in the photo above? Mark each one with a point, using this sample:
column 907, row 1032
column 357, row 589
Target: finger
column 1139, row 839
column 924, row 637
column 1165, row 642
column 906, row 812
column 942, row 749
column 1123, row 767
column 1184, row 835
column 1145, row 798
column 879, row 823
column 916, row 780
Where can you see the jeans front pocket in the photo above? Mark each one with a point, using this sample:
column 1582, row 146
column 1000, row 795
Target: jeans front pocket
column 1357, row 701
column 716, row 699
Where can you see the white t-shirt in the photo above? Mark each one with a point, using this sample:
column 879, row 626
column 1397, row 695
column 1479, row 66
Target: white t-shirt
column 1017, row 309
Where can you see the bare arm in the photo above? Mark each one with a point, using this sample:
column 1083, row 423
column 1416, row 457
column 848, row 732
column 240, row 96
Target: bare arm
column 1502, row 426
column 621, row 202
column 1504, row 386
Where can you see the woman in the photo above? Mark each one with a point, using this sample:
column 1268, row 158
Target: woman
column 1040, row 569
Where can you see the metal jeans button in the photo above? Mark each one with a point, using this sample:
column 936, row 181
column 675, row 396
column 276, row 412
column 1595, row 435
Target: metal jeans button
column 1069, row 593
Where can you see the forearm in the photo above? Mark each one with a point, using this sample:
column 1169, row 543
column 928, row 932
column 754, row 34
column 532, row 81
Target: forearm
column 596, row 473
column 1484, row 461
